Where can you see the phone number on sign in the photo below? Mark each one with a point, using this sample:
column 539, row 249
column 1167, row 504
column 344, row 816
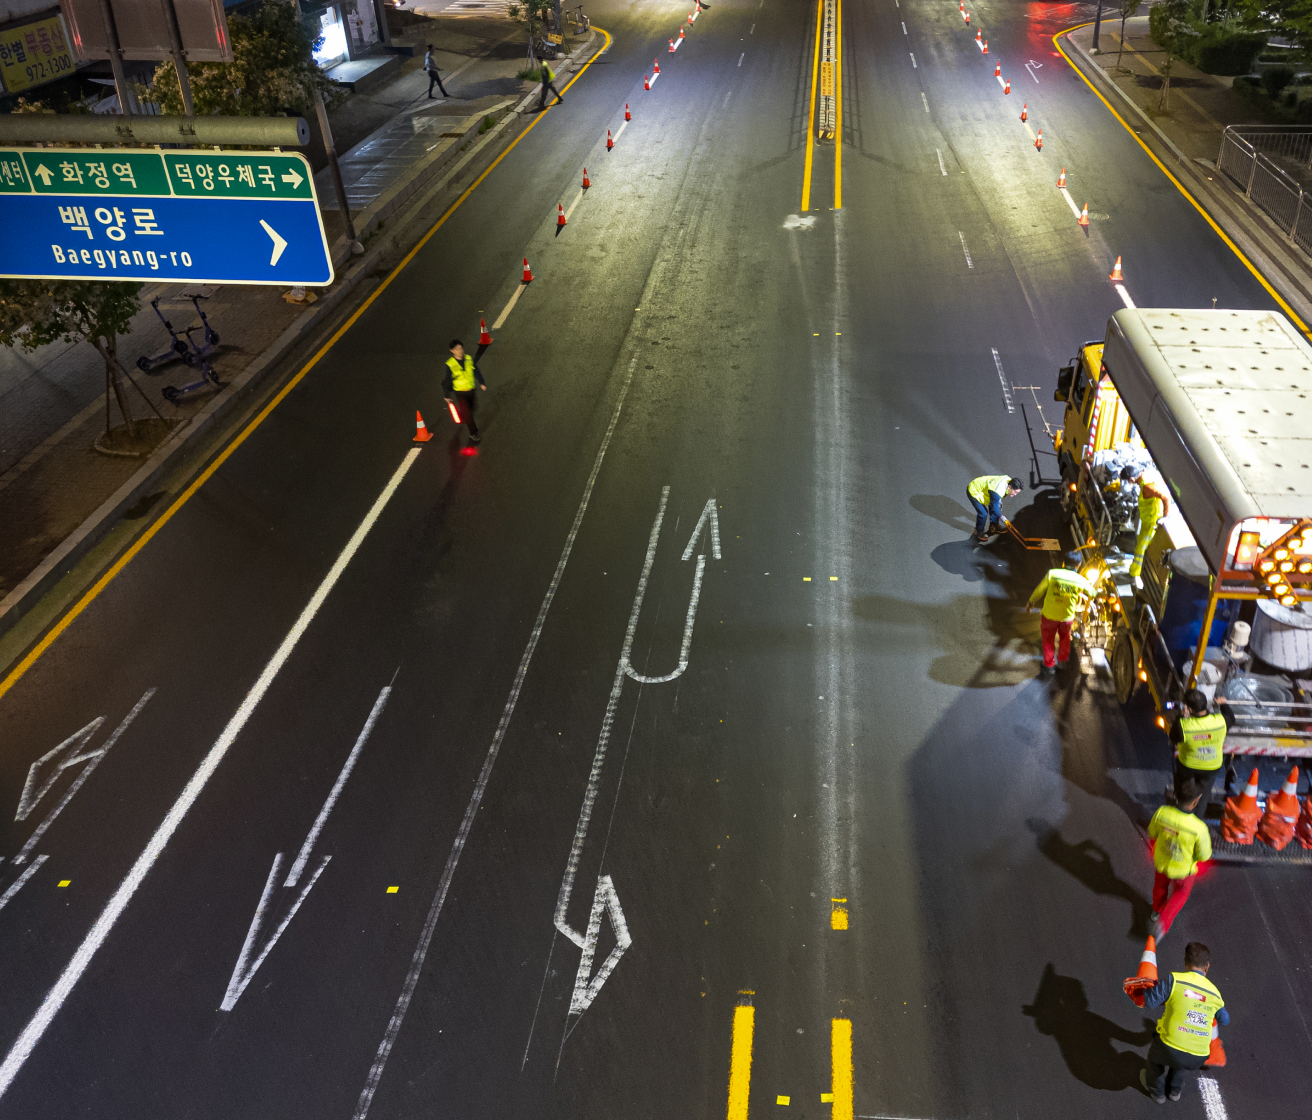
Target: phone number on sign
column 106, row 259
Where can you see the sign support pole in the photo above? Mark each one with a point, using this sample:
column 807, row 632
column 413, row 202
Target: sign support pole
column 179, row 56
column 126, row 102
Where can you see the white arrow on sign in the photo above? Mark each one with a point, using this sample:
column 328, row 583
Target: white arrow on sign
column 43, row 173
column 279, row 243
column 294, row 177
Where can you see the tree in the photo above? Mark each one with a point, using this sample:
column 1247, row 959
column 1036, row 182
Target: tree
column 1128, row 8
column 530, row 14
column 273, row 69
column 1173, row 31
column 1290, row 19
column 37, row 312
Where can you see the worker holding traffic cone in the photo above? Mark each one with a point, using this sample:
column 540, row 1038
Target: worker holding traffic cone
column 460, row 380
column 1190, row 1005
column 1180, row 842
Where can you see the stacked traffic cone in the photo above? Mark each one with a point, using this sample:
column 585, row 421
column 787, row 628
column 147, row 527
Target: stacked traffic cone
column 560, row 215
column 1239, row 821
column 484, row 339
column 1025, row 111
column 1116, row 276
column 1303, row 830
column 1083, row 219
column 1136, row 986
column 422, row 434
column 1038, row 143
column 627, row 115
column 1006, row 86
column 1277, row 826
column 609, row 142
column 1061, row 180
column 1216, row 1053
column 528, row 276
column 586, row 181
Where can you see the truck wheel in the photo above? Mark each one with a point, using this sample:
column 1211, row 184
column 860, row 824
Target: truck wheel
column 1124, row 676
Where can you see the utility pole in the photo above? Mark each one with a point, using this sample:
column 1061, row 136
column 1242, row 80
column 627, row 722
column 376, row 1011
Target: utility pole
column 126, row 102
column 179, row 56
column 1097, row 25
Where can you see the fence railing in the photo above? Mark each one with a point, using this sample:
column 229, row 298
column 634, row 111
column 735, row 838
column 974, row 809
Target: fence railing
column 1251, row 156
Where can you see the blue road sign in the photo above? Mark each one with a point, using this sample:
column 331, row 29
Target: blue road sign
column 222, row 218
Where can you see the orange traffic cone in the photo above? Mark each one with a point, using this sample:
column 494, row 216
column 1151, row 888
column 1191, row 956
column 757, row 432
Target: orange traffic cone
column 1303, row 830
column 968, row 17
column 484, row 339
column 673, row 48
column 627, row 115
column 1006, row 86
column 586, row 181
column 560, row 215
column 422, row 434
column 1084, row 216
column 1061, row 180
column 1277, row 825
column 1038, row 143
column 986, row 46
column 690, row 17
column 961, row 7
column 646, row 82
column 656, row 65
column 997, row 70
column 1216, row 1053
column 1116, row 276
column 1137, row 985
column 1239, row 822
column 609, row 142
column 979, row 36
column 528, row 276
column 681, row 33
column 1025, row 111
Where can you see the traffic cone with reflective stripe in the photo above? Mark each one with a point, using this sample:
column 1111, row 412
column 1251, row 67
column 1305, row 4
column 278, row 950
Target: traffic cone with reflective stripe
column 586, row 181
column 1303, row 830
column 484, row 339
column 1083, row 219
column 609, row 142
column 1277, row 825
column 1136, row 986
column 967, row 17
column 1038, row 143
column 656, row 65
column 681, row 35
column 1116, row 276
column 422, row 434
column 997, row 70
column 979, row 36
column 672, row 49
column 560, row 215
column 1239, row 821
column 1025, row 111
column 1216, row 1053
column 646, row 82
column 528, row 276
column 1061, row 180
column 986, row 47
column 627, row 115
column 1006, row 86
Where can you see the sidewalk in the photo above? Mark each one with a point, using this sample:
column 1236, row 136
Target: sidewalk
column 59, row 497
column 1187, row 139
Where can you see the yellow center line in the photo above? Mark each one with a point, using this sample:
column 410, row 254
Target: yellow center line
column 838, row 102
column 1056, row 39
column 840, row 1049
column 123, row 561
column 740, row 1061
column 810, row 112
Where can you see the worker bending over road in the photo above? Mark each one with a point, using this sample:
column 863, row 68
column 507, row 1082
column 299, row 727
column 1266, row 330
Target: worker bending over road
column 1154, row 504
column 1199, row 740
column 1180, row 842
column 1190, row 1002
column 986, row 494
column 1062, row 593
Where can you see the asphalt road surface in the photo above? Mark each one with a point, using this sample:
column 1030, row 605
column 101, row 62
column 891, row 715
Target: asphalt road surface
column 393, row 781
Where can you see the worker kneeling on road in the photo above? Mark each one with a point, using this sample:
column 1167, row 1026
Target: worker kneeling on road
column 986, row 494
column 1180, row 842
column 461, row 377
column 1154, row 504
column 1184, row 1031
column 1062, row 593
column 1199, row 740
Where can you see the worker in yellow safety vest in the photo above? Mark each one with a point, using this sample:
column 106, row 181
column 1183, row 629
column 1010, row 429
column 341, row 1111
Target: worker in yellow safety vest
column 986, row 494
column 1180, row 842
column 1190, row 1004
column 459, row 382
column 1199, row 740
column 1154, row 504
column 1062, row 593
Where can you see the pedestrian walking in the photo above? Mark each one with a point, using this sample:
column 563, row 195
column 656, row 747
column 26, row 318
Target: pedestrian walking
column 434, row 74
column 1190, row 1003
column 1062, row 593
column 1180, row 842
column 548, row 83
column 1199, row 741
column 986, row 494
column 461, row 377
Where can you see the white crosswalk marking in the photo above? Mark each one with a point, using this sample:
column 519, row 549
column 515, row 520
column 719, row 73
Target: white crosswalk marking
column 494, row 8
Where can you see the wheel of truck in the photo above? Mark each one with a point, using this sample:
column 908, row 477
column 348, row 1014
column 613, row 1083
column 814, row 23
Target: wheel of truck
column 1124, row 675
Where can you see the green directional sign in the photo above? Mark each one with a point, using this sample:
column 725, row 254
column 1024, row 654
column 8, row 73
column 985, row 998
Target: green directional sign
column 98, row 171
column 238, row 175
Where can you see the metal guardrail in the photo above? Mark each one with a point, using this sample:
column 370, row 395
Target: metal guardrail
column 1249, row 156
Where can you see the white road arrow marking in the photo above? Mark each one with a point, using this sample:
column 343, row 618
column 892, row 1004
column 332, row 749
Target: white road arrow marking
column 279, row 243
column 43, row 173
column 27, row 802
column 586, row 986
column 708, row 515
column 294, row 177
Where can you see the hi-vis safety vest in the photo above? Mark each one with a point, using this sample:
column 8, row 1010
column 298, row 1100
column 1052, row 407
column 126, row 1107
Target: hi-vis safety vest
column 462, row 376
column 1062, row 598
column 1186, row 1022
column 1180, row 840
column 980, row 488
column 1202, row 741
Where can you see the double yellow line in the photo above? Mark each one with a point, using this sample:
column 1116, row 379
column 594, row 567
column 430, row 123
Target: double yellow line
column 838, row 104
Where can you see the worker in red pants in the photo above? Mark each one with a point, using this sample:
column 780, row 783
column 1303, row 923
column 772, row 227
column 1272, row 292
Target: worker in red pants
column 1180, row 842
column 1062, row 593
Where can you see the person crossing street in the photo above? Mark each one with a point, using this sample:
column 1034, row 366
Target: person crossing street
column 548, row 83
column 460, row 380
column 434, row 74
column 1190, row 1004
column 1062, row 593
column 1180, row 842
column 986, row 494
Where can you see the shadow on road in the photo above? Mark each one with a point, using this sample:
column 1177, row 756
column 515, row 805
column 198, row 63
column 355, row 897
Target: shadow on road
column 1091, row 864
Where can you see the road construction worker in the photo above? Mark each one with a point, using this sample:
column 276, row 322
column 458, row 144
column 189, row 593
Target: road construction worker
column 1199, row 740
column 1190, row 1003
column 1180, row 842
column 459, row 382
column 986, row 494
column 1062, row 593
column 548, row 83
column 1154, row 504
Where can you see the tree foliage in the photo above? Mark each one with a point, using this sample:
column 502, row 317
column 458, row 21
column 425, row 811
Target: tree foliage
column 273, row 69
column 1172, row 30
column 530, row 14
column 1290, row 19
column 37, row 312
column 1126, row 9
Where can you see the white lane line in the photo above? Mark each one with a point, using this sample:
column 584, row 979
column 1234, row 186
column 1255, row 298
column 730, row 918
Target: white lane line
column 510, row 305
column 1002, row 82
column 1125, row 296
column 925, row 99
column 27, row 800
column 1029, row 130
column 1006, row 387
column 1213, row 1105
column 710, row 518
column 753, row 30
column 969, row 262
column 913, row 62
column 674, row 45
column 741, row 57
column 303, row 857
column 17, row 884
column 476, row 798
column 1070, row 202
column 78, row 782
column 570, row 212
column 1033, row 75
column 63, row 987
column 652, row 80
column 726, row 98
column 620, row 131
column 941, row 166
column 904, row 27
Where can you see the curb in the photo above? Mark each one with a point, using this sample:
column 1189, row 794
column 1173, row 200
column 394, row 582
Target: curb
column 1283, row 271
column 180, row 451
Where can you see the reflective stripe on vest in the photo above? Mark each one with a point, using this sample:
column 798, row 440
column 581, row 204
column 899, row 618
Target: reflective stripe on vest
column 462, row 376
column 1186, row 1022
column 1202, row 741
column 980, row 488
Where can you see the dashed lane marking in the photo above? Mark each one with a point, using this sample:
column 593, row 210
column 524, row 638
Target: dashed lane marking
column 964, row 249
column 913, row 61
column 925, row 99
column 1125, row 296
column 1006, row 385
column 941, row 165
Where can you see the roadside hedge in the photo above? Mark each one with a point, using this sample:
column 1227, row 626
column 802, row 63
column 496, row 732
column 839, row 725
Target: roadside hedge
column 1213, row 50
